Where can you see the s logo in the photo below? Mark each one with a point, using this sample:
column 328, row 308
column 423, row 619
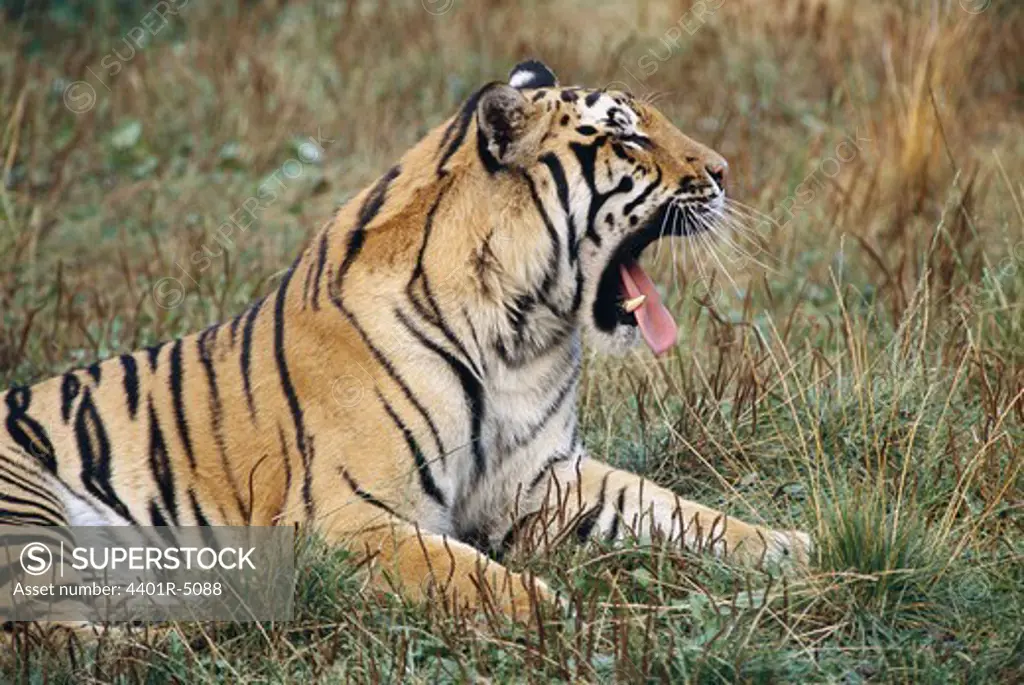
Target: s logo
column 36, row 558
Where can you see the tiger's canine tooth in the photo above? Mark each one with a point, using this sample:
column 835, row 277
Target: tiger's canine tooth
column 632, row 305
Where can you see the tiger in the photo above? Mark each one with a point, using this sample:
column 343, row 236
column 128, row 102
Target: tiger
column 408, row 389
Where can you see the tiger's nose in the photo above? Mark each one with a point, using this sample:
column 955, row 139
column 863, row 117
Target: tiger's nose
column 718, row 170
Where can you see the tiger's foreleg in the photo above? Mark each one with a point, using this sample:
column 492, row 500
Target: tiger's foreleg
column 423, row 566
column 592, row 500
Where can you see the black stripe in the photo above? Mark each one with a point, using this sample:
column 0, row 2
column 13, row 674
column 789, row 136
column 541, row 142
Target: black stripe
column 177, row 382
column 153, row 355
column 307, row 479
column 518, row 314
column 487, row 158
column 563, row 393
column 642, row 141
column 307, row 283
column 197, row 511
column 94, row 451
column 131, row 383
column 69, row 387
column 246, row 355
column 635, row 202
column 287, row 461
column 554, row 165
column 367, row 211
column 289, row 390
column 205, row 349
column 55, row 514
column 577, row 298
column 587, row 522
column 155, row 517
column 204, row 344
column 554, row 269
column 375, row 198
column 587, row 157
column 435, row 317
column 422, row 467
column 363, row 495
column 524, row 351
column 160, row 465
column 620, row 503
column 17, row 481
column 475, row 537
column 471, row 389
column 510, row 537
column 556, row 458
column 95, row 371
column 476, row 341
column 23, row 468
column 321, row 260
column 21, row 518
column 26, row 432
column 234, row 327
column 456, row 131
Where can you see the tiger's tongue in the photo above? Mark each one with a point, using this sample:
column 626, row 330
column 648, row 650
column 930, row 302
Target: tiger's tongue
column 655, row 322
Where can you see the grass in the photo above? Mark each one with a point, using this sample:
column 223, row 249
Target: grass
column 855, row 370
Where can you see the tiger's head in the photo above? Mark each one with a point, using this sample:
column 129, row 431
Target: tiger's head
column 610, row 175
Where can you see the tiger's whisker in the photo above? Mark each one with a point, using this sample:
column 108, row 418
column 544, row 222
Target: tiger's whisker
column 714, row 255
column 753, row 211
column 661, row 233
column 742, row 233
column 726, row 238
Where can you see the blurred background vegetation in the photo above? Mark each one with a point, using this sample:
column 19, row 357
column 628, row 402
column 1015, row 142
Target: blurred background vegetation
column 852, row 361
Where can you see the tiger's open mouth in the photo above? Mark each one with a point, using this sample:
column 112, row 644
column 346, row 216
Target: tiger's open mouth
column 626, row 295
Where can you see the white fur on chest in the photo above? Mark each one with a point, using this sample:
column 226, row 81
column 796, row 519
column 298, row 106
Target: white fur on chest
column 531, row 417
column 82, row 513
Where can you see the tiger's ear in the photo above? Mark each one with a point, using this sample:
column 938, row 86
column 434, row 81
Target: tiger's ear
column 532, row 74
column 502, row 120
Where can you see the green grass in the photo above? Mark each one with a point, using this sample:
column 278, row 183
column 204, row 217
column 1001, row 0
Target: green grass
column 852, row 367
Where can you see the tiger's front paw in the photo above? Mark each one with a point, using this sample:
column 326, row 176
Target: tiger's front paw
column 756, row 546
column 519, row 598
column 787, row 547
column 793, row 547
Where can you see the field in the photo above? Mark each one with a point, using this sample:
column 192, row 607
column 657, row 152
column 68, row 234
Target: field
column 851, row 360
